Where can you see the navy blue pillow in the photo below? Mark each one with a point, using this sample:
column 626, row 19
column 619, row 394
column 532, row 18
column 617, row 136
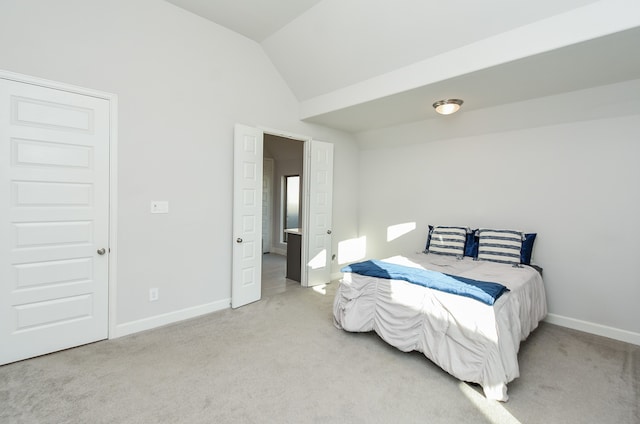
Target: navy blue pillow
column 471, row 246
column 527, row 248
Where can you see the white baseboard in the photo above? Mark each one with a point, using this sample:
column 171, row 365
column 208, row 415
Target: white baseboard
column 597, row 329
column 168, row 318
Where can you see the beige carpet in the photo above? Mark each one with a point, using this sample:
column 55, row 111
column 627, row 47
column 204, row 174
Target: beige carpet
column 281, row 360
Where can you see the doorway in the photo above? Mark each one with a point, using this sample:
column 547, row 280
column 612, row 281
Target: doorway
column 283, row 162
column 316, row 214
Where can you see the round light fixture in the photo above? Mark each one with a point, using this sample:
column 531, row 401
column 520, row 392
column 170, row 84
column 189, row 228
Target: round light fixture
column 447, row 107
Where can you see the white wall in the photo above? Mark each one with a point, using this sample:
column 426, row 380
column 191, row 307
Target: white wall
column 182, row 82
column 575, row 183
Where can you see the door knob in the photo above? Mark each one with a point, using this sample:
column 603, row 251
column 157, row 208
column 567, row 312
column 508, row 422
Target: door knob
column 328, row 231
column 101, row 251
column 238, row 240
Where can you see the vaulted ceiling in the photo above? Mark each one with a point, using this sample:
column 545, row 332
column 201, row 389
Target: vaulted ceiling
column 363, row 64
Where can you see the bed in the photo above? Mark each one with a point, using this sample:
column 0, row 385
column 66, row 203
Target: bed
column 474, row 341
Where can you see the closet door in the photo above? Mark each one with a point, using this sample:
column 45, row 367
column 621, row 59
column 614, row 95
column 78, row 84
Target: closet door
column 54, row 219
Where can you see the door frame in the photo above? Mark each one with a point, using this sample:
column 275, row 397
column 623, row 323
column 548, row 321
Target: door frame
column 305, row 205
column 269, row 195
column 304, row 275
column 113, row 175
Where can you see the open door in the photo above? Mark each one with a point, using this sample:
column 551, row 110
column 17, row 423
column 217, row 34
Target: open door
column 247, row 216
column 316, row 232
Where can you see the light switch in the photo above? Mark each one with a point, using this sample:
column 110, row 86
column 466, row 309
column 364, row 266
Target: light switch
column 159, row 206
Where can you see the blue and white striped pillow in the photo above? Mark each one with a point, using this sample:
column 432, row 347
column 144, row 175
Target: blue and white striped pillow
column 500, row 246
column 448, row 241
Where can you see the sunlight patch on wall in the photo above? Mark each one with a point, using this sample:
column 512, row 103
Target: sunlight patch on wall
column 352, row 250
column 395, row 231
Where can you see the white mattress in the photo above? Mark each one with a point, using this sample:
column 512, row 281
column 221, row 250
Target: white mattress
column 470, row 340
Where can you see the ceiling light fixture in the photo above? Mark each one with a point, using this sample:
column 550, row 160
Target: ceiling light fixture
column 447, row 107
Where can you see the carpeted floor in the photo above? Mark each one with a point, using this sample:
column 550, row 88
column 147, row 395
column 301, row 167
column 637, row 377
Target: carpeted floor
column 281, row 360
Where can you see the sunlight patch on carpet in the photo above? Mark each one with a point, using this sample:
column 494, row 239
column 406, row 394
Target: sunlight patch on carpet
column 491, row 409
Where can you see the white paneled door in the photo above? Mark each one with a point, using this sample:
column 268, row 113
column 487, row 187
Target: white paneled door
column 54, row 219
column 247, row 216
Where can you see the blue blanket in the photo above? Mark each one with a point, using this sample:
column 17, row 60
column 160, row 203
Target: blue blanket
column 482, row 291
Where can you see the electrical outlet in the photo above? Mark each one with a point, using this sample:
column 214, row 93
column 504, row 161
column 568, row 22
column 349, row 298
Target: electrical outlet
column 154, row 294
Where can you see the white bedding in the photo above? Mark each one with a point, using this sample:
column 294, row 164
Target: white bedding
column 470, row 340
